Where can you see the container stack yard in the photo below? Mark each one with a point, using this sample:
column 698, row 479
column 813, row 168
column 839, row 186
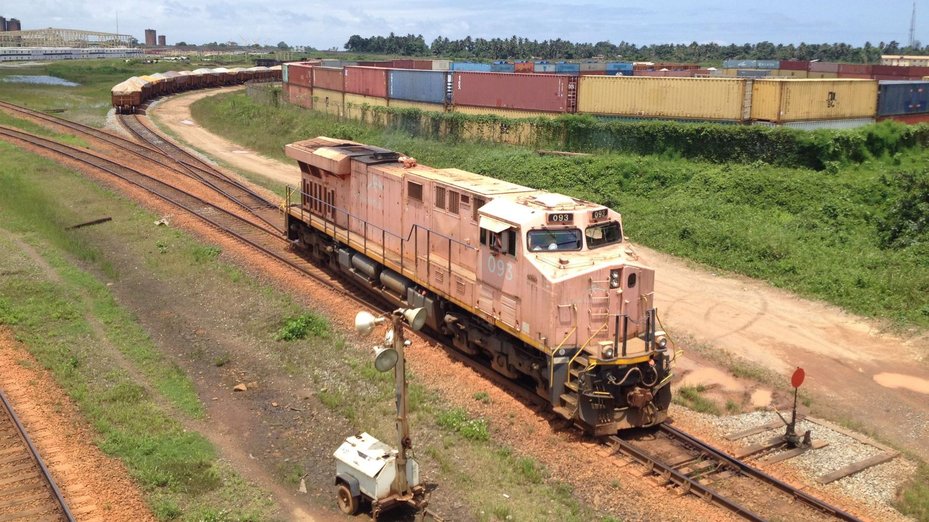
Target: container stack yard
column 792, row 93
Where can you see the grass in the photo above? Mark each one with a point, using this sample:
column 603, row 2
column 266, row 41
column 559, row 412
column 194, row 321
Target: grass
column 302, row 326
column 690, row 396
column 914, row 498
column 134, row 398
column 815, row 233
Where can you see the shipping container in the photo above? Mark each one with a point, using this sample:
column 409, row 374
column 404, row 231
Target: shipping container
column 299, row 95
column 470, row 67
column 730, row 72
column 790, row 73
column 909, row 119
column 671, row 98
column 854, row 68
column 859, row 76
column 593, row 66
column 328, row 78
column 766, row 64
column 514, row 114
column 903, row 97
column 817, row 75
column 544, row 68
column 667, row 74
column 383, row 63
column 820, row 124
column 568, row 68
column 740, row 64
column 328, row 101
column 824, row 67
column 299, row 74
column 404, row 64
column 794, row 65
column 369, row 81
column 531, row 92
column 441, row 65
column 524, row 67
column 752, row 73
column 787, row 100
column 502, row 67
column 421, row 86
column 357, row 100
column 615, row 67
column 405, row 104
column 890, row 70
column 918, row 72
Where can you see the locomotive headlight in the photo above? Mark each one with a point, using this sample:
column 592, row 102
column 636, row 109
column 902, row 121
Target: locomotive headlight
column 607, row 352
column 614, row 278
column 661, row 340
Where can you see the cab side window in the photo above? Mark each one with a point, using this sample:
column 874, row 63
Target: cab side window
column 502, row 242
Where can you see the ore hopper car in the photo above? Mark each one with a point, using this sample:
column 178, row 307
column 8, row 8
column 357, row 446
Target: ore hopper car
column 540, row 284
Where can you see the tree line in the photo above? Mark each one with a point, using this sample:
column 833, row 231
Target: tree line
column 518, row 48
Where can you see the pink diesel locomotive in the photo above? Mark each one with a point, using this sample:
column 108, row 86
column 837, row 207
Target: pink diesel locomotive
column 542, row 285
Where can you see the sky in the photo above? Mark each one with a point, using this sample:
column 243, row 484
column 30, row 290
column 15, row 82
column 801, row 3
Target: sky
column 325, row 25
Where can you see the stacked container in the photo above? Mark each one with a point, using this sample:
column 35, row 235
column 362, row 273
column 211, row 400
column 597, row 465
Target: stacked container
column 898, row 98
column 718, row 99
column 472, row 67
column 788, row 100
column 418, row 86
column 505, row 93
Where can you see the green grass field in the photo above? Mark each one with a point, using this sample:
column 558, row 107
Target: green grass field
column 854, row 235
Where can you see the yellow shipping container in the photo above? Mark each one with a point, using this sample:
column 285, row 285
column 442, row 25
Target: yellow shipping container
column 427, row 107
column 360, row 99
column 504, row 113
column 799, row 100
column 785, row 73
column 730, row 72
column 327, row 101
column 676, row 98
column 822, row 75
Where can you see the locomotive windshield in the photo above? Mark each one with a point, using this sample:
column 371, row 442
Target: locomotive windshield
column 555, row 240
column 603, row 234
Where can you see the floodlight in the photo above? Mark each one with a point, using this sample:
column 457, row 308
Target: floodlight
column 365, row 323
column 384, row 358
column 416, row 317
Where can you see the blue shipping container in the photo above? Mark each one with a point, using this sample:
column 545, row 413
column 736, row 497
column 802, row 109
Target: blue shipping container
column 767, row 64
column 613, row 67
column 902, row 97
column 544, row 68
column 417, row 85
column 741, row 64
column 568, row 68
column 749, row 73
column 502, row 67
column 472, row 67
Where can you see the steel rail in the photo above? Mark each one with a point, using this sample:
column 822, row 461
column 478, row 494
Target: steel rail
column 751, row 471
column 58, row 497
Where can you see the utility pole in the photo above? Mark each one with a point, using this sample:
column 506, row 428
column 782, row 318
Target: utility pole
column 912, row 41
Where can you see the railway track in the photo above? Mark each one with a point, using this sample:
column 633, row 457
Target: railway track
column 677, row 459
column 27, row 490
column 683, row 462
column 154, row 148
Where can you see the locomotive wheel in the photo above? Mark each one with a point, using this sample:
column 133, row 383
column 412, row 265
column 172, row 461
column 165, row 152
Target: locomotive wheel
column 348, row 503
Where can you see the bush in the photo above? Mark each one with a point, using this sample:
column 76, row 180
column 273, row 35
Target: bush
column 457, row 420
column 302, row 326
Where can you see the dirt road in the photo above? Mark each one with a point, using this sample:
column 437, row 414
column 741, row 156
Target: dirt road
column 856, row 372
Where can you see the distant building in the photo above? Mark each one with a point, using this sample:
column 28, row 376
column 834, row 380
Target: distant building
column 13, row 25
column 150, row 38
column 2, row 23
column 905, row 60
column 161, row 40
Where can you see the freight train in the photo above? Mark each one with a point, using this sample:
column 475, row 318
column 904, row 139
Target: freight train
column 27, row 54
column 543, row 286
column 128, row 96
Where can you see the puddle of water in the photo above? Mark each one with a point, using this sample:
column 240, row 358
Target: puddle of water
column 39, row 80
column 899, row 380
column 711, row 376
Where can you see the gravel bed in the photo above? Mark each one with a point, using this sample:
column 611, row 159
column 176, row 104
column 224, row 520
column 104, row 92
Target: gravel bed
column 875, row 487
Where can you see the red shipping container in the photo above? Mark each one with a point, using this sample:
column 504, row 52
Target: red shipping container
column 794, row 65
column 369, row 81
column 846, row 69
column 524, row 67
column 299, row 74
column 890, row 70
column 404, row 64
column 887, row 77
column 298, row 95
column 919, row 72
column 376, row 64
column 329, row 78
column 911, row 119
column 826, row 67
column 593, row 73
column 423, row 65
column 530, row 92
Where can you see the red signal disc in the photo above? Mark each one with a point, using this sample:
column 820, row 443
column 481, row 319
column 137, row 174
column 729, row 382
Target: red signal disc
column 797, row 379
